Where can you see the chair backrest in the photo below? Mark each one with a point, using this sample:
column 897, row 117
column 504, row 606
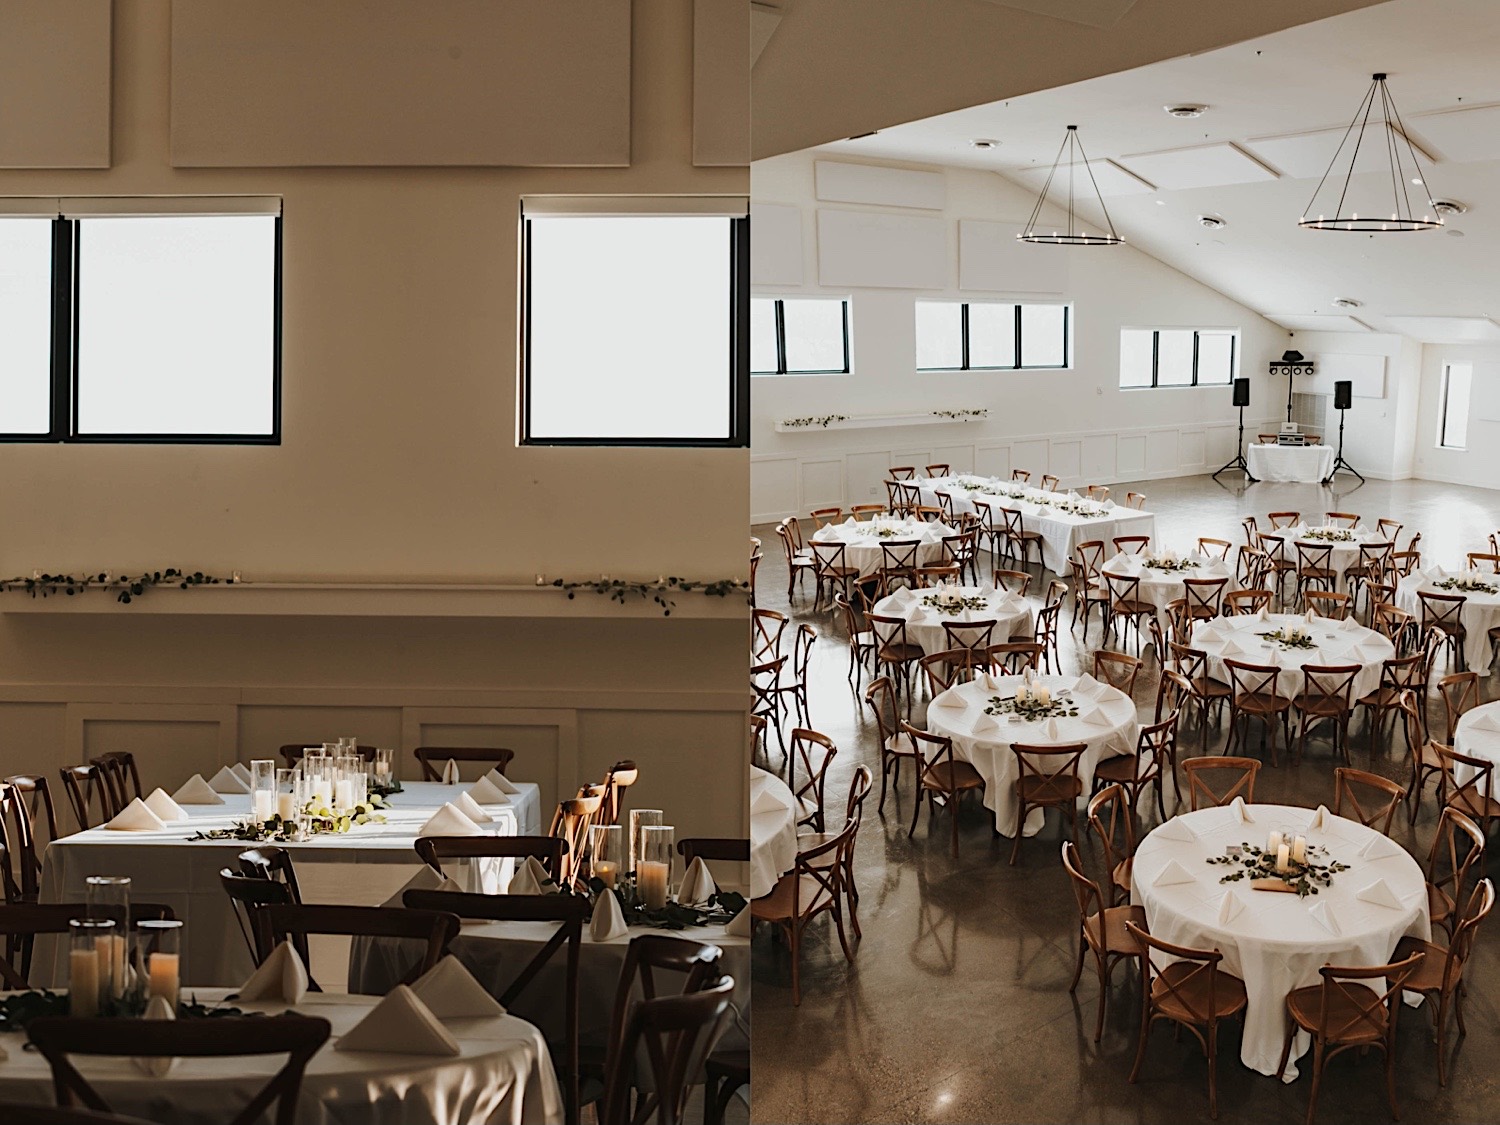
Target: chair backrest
column 1252, row 679
column 299, row 1037
column 547, row 850
column 1478, row 908
column 976, row 636
column 866, row 510
column 1456, row 846
column 1341, row 519
column 1113, row 822
column 1016, row 581
column 250, row 895
column 829, row 558
column 1470, row 797
column 1020, row 474
column 814, row 751
column 1171, row 690
column 1214, row 548
column 944, row 669
column 1205, row 596
column 1117, row 669
column 937, row 575
column 1484, row 560
column 18, row 839
column 944, row 504
column 436, row 927
column 1098, row 492
column 825, row 516
column 122, row 762
column 675, row 1034
column 1136, row 500
column 621, row 776
column 1331, row 684
column 1460, row 692
column 1239, row 602
column 1252, row 530
column 1090, row 554
column 1132, row 544
column 1333, row 604
column 433, row 758
column 958, row 548
column 1370, row 798
column 1048, row 773
column 266, row 861
column 1388, row 528
column 1012, row 658
column 571, row 822
column 1313, row 556
column 21, row 922
column 1375, row 557
column 940, row 469
column 880, row 697
column 899, row 555
column 34, row 786
column 1086, row 892
column 902, row 472
column 83, row 786
column 1238, row 774
column 1360, row 1002
column 1440, row 610
column 1283, row 519
column 933, row 750
column 113, row 786
column 1122, row 588
column 766, row 627
column 1193, row 993
column 1406, row 561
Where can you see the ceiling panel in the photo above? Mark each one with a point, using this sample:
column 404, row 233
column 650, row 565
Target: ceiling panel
column 1111, row 178
column 1203, row 166
column 1318, row 322
column 1464, row 135
column 1448, row 329
column 1307, row 155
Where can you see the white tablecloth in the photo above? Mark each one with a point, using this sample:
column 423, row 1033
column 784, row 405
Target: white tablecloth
column 1276, row 943
column 504, row 1076
column 863, row 541
column 1162, row 587
column 1060, row 531
column 990, row 751
column 1335, row 642
column 1308, row 463
column 1480, row 613
column 1477, row 735
column 168, row 867
column 1345, row 551
column 773, row 831
column 924, row 625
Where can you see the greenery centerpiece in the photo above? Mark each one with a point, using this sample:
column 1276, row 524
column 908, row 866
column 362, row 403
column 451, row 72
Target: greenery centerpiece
column 319, row 818
column 1467, row 585
column 1291, row 636
column 20, row 1008
column 972, row 484
column 1329, row 534
column 1170, row 562
column 1076, row 507
column 1034, row 704
column 1305, row 877
column 950, row 603
column 717, row 911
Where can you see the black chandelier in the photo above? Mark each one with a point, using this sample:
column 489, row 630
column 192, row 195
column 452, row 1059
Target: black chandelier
column 1073, row 235
column 1404, row 174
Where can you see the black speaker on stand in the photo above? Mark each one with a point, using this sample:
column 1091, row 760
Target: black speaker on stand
column 1343, row 399
column 1238, row 463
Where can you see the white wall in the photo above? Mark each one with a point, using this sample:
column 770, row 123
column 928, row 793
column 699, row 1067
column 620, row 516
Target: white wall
column 1479, row 464
column 1077, row 424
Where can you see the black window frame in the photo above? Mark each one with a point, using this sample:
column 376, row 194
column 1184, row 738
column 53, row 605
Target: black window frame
column 1442, row 442
column 1065, row 365
column 1156, row 385
column 63, row 372
column 739, row 357
column 780, row 328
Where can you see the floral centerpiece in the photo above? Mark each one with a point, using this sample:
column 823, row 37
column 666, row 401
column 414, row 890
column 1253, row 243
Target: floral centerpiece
column 319, row 818
column 1078, row 508
column 950, row 603
column 885, row 530
column 1291, row 636
column 972, row 484
column 1329, row 534
column 20, row 1008
column 717, row 911
column 1169, row 561
column 1467, row 585
column 1303, row 877
column 1034, row 703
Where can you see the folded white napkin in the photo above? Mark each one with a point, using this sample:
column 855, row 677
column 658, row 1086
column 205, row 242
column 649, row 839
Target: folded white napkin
column 1232, row 647
column 1086, row 687
column 242, row 772
column 1378, row 847
column 1263, row 615
column 159, row 1008
column 424, row 880
column 1380, row 893
column 1229, row 908
column 1241, row 811
column 1319, row 819
column 608, row 920
column 1485, row 720
column 282, row 977
column 984, row 722
column 698, row 884
column 227, row 781
column 449, row 821
column 470, row 808
column 531, row 878
column 739, row 925
column 1309, row 617
column 851, row 522
column 987, row 682
column 485, row 792
column 1049, row 729
column 164, row 807
column 502, row 783
column 902, row 597
column 1211, row 628
column 1171, row 874
column 402, row 1025
column 1322, row 914
column 948, row 701
column 1175, row 829
column 450, row 773
column 1347, row 624
column 196, row 791
column 451, row 993
column 136, row 817
column 1095, row 717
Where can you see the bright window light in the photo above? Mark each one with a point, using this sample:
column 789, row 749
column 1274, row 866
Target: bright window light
column 25, row 325
column 940, row 335
column 1458, row 379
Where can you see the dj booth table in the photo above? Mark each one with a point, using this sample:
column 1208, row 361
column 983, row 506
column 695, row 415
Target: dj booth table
column 1306, row 463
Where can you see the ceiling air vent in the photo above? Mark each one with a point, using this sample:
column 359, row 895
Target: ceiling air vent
column 1346, row 303
column 1212, row 222
column 1185, row 110
column 1450, row 206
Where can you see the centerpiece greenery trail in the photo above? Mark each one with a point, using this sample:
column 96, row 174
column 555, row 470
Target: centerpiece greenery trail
column 19, row 1009
column 952, row 605
column 318, row 820
column 1305, row 878
column 718, row 910
column 1291, row 637
column 818, row 420
column 1060, row 705
column 1175, row 565
column 891, row 530
column 982, row 412
column 1467, row 585
column 124, row 586
column 1330, row 534
column 968, row 484
column 1074, row 507
column 618, row 589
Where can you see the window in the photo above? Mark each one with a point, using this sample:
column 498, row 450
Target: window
column 1177, row 357
column 1457, row 379
column 635, row 329
column 799, row 336
column 991, row 336
column 133, row 328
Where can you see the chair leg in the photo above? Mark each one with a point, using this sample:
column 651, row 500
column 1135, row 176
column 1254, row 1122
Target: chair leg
column 953, row 799
column 1078, row 968
column 1015, row 848
column 1312, row 1096
column 1213, row 1069
column 794, row 934
column 1103, row 996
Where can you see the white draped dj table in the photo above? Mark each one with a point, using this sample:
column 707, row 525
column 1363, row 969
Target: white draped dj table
column 773, row 831
column 168, row 867
column 1276, row 942
column 1110, row 731
column 924, row 624
column 1307, row 463
column 1334, row 642
column 503, row 1076
column 1480, row 612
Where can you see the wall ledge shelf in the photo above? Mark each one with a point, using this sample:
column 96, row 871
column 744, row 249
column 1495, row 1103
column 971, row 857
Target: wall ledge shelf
column 376, row 599
column 877, row 421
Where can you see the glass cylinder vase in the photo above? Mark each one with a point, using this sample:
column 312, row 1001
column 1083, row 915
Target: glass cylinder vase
column 653, row 870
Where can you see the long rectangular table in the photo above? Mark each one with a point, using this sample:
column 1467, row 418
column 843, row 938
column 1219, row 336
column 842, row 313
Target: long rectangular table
column 169, row 867
column 1306, row 463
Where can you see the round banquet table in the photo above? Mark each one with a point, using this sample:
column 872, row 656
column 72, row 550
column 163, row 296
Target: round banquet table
column 1106, row 723
column 1276, row 942
column 773, row 830
column 503, row 1076
column 862, row 541
column 924, row 624
column 1335, row 642
column 1477, row 735
column 1345, row 551
column 1480, row 612
column 1162, row 587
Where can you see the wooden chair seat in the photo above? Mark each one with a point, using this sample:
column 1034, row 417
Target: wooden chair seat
column 1318, row 705
column 1451, row 628
column 1428, row 976
column 1121, row 769
column 1109, row 935
column 1475, row 806
column 1262, row 703
column 776, row 906
column 898, row 653
column 952, row 775
column 1206, row 687
column 1131, row 608
column 1386, row 696
column 1318, row 573
column 1347, row 1020
column 1439, row 905
column 1058, row 788
column 1190, row 1000
column 1121, row 874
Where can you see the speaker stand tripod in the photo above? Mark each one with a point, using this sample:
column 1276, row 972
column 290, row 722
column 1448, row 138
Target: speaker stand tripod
column 1238, row 462
column 1338, row 462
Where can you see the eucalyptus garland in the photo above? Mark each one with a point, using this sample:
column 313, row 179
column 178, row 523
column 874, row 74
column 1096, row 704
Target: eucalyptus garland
column 982, row 412
column 717, row 911
column 318, row 820
column 124, row 586
column 20, row 1008
column 822, row 420
column 619, row 590
column 1305, row 878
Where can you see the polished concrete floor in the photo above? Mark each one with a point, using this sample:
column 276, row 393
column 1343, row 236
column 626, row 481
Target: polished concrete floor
column 956, row 1007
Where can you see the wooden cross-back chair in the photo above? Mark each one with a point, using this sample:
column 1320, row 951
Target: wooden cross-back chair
column 814, row 752
column 1254, row 696
column 21, row 922
column 1473, row 797
column 1046, row 777
column 766, row 628
column 1459, row 692
column 1241, row 780
column 1442, row 624
column 674, row 1034
column 299, row 1037
column 1154, row 760
column 1327, row 695
column 902, row 472
column 939, row 774
column 622, row 775
column 35, row 788
column 266, row 861
column 299, row 920
column 1101, row 930
column 249, row 897
column 432, row 759
column 1113, row 822
column 547, row 850
column 571, row 823
column 83, row 787
column 895, row 746
column 1370, row 799
column 1457, row 846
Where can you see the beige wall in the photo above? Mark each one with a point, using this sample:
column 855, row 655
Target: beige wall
column 398, row 461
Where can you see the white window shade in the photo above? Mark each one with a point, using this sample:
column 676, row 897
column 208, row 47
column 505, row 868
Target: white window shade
column 25, row 325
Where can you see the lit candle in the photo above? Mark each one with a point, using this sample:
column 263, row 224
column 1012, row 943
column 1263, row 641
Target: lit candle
column 1281, row 857
column 286, row 806
column 1044, row 696
column 161, row 977
column 111, row 964
column 343, row 794
column 322, row 790
column 607, row 870
column 1021, row 694
column 83, row 982
column 265, row 804
column 1273, row 841
column 651, row 881
column 1299, row 849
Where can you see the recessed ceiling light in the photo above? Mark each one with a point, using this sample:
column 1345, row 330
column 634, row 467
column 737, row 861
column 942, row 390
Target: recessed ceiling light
column 1456, row 233
column 1449, row 207
column 1188, row 109
column 984, row 142
column 1212, row 222
column 1346, row 303
column 1161, row 202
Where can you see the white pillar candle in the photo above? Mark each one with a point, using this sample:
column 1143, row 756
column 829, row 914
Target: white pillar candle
column 83, row 982
column 607, row 870
column 162, row 977
column 1044, row 696
column 1281, row 857
column 323, row 790
column 1299, row 849
column 111, row 949
column 651, row 882
column 286, row 806
column 265, row 804
column 343, row 794
column 1273, row 841
column 1021, row 694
